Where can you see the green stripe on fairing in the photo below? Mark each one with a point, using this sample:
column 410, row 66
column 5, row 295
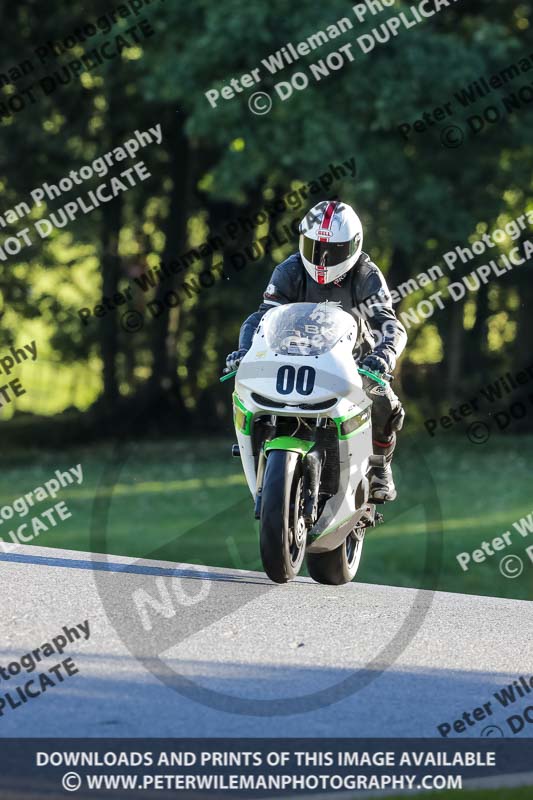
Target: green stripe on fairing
column 248, row 414
column 238, row 402
column 339, row 420
column 363, row 427
column 318, row 536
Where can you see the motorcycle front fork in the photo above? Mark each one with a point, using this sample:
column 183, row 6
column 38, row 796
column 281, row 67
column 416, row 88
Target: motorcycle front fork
column 311, row 479
column 311, row 486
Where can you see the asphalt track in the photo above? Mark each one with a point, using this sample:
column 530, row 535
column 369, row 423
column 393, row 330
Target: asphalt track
column 236, row 654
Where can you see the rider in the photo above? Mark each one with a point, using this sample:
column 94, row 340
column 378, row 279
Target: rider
column 331, row 266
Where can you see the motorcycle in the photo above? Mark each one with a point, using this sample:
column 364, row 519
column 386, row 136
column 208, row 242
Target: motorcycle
column 304, row 431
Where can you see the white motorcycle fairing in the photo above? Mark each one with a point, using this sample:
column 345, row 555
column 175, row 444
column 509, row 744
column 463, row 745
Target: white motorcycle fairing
column 300, row 367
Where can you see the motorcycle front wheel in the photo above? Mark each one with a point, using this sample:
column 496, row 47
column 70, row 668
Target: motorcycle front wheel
column 283, row 532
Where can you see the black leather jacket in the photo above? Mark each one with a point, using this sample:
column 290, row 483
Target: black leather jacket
column 363, row 292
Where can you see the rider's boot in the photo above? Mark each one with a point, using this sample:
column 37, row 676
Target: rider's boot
column 382, row 488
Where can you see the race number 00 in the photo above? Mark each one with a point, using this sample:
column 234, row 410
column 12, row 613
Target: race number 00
column 288, row 377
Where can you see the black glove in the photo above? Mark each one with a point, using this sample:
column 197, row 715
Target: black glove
column 234, row 359
column 374, row 363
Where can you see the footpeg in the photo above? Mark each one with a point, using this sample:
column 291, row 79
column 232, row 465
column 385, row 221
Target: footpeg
column 235, row 451
column 371, row 517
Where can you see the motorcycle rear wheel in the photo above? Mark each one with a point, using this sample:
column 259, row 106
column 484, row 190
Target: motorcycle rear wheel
column 337, row 566
column 282, row 537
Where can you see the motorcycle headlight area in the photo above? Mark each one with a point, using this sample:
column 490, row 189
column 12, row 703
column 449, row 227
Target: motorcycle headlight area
column 349, row 426
column 242, row 418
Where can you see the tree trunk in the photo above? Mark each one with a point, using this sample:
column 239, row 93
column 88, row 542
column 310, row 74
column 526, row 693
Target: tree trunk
column 111, row 224
column 163, row 346
column 453, row 356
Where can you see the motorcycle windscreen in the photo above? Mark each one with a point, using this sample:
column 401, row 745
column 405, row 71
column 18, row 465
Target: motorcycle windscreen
column 306, row 329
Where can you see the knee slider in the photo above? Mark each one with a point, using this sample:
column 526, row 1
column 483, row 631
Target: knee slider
column 396, row 423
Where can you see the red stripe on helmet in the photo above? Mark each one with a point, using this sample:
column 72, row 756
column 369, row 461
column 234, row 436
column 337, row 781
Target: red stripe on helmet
column 326, row 219
column 320, row 274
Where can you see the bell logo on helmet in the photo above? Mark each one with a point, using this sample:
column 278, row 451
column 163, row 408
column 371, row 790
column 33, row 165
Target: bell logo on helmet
column 325, row 233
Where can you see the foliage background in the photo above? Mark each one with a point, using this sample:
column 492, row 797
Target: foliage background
column 418, row 199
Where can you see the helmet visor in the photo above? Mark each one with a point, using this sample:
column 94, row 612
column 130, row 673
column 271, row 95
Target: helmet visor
column 327, row 254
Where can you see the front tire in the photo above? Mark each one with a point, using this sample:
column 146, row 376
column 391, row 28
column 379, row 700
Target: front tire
column 337, row 566
column 283, row 533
